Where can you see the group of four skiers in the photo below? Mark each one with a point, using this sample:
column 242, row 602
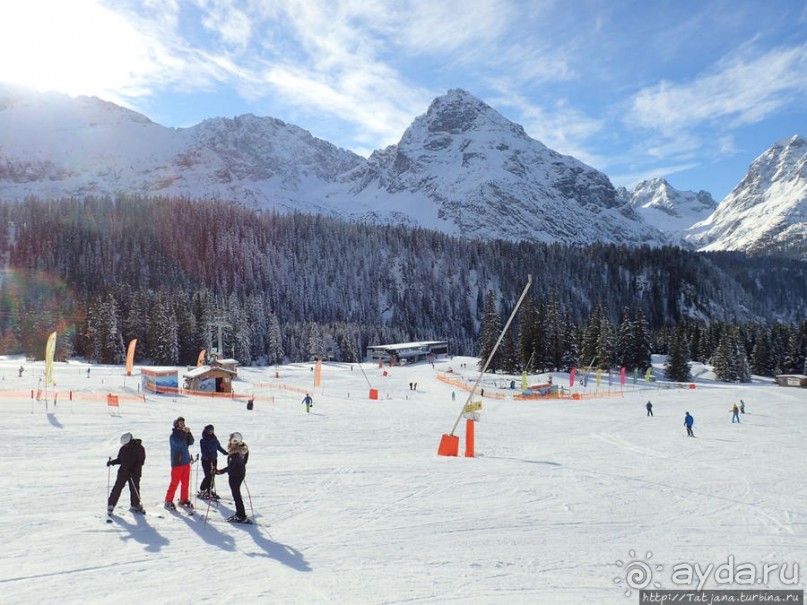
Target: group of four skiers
column 132, row 456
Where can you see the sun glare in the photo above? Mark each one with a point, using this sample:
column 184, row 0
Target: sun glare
column 75, row 47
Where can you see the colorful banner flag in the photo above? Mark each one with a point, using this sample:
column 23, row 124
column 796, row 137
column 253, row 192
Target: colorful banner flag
column 571, row 377
column 635, row 375
column 648, row 374
column 524, row 381
column 584, row 381
column 599, row 374
column 622, row 376
column 200, row 361
column 130, row 356
column 318, row 373
column 50, row 350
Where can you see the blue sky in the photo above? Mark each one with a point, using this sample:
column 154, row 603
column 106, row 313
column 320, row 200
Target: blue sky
column 689, row 90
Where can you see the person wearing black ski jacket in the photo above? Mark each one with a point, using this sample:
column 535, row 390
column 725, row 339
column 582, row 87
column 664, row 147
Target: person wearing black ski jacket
column 131, row 458
column 210, row 447
column 237, row 457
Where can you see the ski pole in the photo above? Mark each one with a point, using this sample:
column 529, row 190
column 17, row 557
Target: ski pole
column 108, row 472
column 252, row 510
column 195, row 479
column 135, row 491
column 210, row 489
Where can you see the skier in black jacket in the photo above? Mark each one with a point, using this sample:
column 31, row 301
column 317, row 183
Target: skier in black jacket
column 210, row 446
column 238, row 454
column 131, row 458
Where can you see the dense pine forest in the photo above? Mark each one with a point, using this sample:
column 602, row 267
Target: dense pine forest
column 176, row 273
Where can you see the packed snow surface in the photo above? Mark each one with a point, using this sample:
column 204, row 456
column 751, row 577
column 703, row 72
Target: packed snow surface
column 353, row 505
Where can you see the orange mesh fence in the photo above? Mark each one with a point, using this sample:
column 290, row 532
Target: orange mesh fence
column 460, row 384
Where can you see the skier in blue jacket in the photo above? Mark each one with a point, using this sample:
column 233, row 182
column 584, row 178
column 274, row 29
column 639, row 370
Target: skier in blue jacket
column 181, row 437
column 688, row 422
column 210, row 446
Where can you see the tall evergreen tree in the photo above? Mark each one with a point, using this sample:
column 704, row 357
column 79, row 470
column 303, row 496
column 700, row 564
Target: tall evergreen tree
column 677, row 367
column 489, row 333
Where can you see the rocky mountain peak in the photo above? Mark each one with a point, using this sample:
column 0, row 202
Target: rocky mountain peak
column 767, row 211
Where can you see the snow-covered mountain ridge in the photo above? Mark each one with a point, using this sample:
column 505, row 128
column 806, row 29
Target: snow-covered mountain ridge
column 460, row 168
column 767, row 211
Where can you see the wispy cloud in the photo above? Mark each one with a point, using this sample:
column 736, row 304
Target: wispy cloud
column 561, row 127
column 741, row 89
column 631, row 179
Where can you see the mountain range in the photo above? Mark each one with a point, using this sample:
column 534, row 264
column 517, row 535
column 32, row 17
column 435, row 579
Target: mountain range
column 461, row 168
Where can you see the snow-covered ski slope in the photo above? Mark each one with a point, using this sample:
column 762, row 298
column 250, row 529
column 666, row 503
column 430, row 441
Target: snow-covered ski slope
column 354, row 505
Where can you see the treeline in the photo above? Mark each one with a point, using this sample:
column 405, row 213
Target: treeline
column 546, row 340
column 176, row 273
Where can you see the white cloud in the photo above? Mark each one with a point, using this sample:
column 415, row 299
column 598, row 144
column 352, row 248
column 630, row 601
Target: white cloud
column 561, row 127
column 225, row 18
column 740, row 90
column 630, row 180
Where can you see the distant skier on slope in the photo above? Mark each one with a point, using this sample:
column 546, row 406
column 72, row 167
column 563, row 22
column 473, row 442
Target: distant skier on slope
column 735, row 414
column 688, row 422
column 238, row 455
column 131, row 458
column 649, row 407
column 210, row 446
column 309, row 403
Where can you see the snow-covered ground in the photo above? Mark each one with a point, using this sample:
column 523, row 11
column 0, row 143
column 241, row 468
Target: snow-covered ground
column 354, row 505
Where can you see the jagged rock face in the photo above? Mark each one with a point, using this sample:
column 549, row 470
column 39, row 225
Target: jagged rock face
column 53, row 146
column 483, row 177
column 767, row 211
column 669, row 209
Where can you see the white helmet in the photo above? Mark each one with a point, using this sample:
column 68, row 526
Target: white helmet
column 236, row 438
column 125, row 438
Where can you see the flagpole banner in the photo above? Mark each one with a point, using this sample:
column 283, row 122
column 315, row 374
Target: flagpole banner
column 524, row 381
column 50, row 350
column 622, row 376
column 571, row 377
column 318, row 373
column 130, row 356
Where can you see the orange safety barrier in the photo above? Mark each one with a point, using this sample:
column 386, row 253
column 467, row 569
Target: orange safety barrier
column 466, row 387
column 449, row 446
column 112, row 400
column 373, row 393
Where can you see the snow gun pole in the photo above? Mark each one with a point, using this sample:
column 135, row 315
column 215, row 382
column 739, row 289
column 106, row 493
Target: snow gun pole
column 493, row 352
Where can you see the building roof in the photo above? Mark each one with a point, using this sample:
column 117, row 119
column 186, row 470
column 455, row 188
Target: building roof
column 408, row 345
column 227, row 362
column 202, row 370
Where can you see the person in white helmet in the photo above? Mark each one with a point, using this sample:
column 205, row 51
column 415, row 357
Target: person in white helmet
column 131, row 458
column 237, row 456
